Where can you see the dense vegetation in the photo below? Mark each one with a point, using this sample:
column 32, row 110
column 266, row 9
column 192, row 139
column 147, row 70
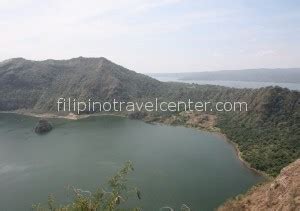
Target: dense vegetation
column 266, row 147
column 268, row 136
column 37, row 85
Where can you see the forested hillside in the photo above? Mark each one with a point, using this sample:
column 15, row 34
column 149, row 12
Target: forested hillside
column 38, row 84
column 268, row 134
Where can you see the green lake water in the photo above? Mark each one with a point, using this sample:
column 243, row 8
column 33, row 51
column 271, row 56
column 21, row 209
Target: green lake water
column 173, row 165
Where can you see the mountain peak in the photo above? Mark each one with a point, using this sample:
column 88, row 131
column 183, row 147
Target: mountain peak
column 80, row 77
column 80, row 58
column 16, row 59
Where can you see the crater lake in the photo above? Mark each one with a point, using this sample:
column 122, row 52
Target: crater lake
column 173, row 165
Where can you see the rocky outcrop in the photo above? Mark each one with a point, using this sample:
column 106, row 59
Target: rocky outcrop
column 197, row 120
column 137, row 115
column 282, row 193
column 43, row 126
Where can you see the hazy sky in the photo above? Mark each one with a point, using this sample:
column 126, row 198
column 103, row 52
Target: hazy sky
column 155, row 35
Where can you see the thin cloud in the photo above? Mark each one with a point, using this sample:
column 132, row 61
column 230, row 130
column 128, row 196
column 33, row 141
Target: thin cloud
column 265, row 52
column 152, row 35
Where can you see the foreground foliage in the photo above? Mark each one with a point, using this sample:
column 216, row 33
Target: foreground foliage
column 101, row 200
column 113, row 199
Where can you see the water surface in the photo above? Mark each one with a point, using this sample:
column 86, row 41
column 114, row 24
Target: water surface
column 233, row 84
column 173, row 165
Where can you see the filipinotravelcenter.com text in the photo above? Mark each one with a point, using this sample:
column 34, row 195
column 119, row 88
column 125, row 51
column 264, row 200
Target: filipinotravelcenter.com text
column 90, row 106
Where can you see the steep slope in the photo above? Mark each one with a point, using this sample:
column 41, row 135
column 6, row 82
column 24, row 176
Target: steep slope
column 38, row 84
column 282, row 194
column 267, row 135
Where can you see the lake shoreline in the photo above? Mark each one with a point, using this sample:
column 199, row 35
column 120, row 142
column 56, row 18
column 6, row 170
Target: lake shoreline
column 103, row 143
column 72, row 116
column 69, row 116
column 224, row 137
column 239, row 155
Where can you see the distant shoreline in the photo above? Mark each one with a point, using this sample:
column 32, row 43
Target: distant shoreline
column 72, row 116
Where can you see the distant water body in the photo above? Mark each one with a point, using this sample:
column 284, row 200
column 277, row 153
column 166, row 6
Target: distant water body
column 233, row 84
column 173, row 165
